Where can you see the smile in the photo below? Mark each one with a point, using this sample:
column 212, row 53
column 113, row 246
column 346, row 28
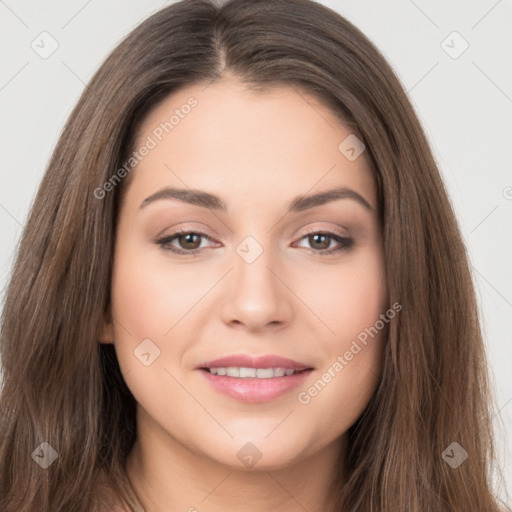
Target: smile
column 254, row 378
column 258, row 373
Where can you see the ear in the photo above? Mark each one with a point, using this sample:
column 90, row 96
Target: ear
column 107, row 329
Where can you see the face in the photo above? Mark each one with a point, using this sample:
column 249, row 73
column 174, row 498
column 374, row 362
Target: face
column 261, row 273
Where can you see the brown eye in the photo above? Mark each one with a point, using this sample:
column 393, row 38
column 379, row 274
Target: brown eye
column 189, row 241
column 183, row 242
column 319, row 241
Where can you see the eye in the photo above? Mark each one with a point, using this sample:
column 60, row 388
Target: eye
column 189, row 242
column 320, row 242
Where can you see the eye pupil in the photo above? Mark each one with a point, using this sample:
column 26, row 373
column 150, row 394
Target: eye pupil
column 187, row 242
column 313, row 239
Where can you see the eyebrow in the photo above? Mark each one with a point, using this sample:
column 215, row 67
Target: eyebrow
column 298, row 204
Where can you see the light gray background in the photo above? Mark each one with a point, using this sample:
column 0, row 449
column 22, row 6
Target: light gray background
column 464, row 104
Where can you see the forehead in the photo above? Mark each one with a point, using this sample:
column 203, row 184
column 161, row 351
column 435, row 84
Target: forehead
column 230, row 140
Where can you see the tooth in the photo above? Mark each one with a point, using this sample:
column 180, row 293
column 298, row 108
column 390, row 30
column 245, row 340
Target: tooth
column 247, row 372
column 251, row 373
column 231, row 371
column 265, row 373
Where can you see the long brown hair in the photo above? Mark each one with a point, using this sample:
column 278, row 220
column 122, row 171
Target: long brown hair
column 62, row 387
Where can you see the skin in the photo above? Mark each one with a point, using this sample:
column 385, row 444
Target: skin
column 291, row 301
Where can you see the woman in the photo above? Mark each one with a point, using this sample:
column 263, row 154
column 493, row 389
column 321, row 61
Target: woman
column 242, row 285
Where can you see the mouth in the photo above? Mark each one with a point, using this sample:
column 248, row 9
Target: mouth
column 254, row 379
column 244, row 372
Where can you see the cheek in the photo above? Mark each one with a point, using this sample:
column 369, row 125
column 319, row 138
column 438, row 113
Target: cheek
column 351, row 298
column 136, row 303
column 146, row 304
column 361, row 299
column 351, row 305
column 147, row 298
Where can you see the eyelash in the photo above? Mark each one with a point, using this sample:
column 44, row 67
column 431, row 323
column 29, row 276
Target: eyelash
column 345, row 242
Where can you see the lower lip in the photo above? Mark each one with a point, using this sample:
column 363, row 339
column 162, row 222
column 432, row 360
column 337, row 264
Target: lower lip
column 255, row 390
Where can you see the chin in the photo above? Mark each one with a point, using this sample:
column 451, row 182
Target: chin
column 255, row 455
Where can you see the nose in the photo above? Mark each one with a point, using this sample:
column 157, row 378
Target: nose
column 256, row 295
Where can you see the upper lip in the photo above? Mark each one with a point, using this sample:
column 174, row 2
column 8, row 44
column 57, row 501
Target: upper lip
column 247, row 361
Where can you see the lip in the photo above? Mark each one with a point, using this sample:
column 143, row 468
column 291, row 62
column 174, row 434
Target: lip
column 247, row 361
column 253, row 390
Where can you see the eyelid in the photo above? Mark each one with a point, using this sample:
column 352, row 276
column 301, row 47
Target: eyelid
column 184, row 231
column 184, row 228
column 330, row 230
